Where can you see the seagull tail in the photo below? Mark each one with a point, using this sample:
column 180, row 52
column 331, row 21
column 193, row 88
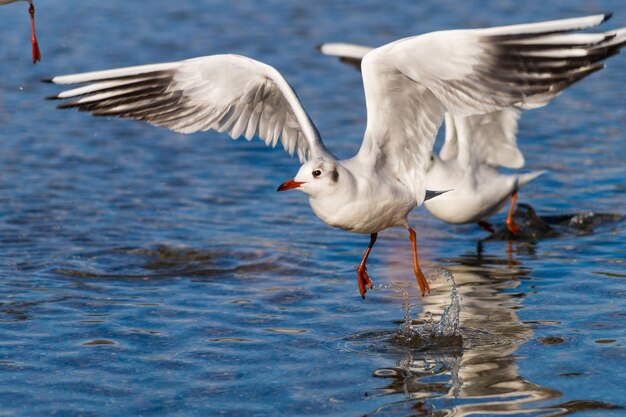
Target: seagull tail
column 524, row 179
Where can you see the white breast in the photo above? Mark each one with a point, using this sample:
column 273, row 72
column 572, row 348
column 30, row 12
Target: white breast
column 373, row 204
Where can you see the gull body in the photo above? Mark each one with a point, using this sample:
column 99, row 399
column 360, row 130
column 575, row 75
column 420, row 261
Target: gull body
column 361, row 202
column 467, row 166
column 475, row 147
column 407, row 97
column 474, row 195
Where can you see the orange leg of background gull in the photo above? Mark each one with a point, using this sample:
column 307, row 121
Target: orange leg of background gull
column 361, row 271
column 421, row 279
column 510, row 223
column 33, row 37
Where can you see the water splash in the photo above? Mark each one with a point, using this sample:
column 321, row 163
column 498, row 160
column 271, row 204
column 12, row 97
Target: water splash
column 430, row 328
column 412, row 371
column 441, row 338
column 448, row 325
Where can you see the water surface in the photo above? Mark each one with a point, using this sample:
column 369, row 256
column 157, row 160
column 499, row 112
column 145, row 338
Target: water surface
column 149, row 273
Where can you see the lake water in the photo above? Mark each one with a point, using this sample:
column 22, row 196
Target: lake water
column 149, row 273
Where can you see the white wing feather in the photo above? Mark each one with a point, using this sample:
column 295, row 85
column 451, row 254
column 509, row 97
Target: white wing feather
column 410, row 84
column 484, row 138
column 222, row 92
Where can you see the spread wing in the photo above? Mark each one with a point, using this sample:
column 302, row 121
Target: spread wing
column 410, row 84
column 222, row 92
column 481, row 138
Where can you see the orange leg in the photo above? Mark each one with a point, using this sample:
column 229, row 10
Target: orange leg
column 510, row 223
column 33, row 37
column 486, row 226
column 421, row 279
column 361, row 271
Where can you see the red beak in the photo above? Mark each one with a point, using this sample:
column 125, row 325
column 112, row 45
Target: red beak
column 289, row 185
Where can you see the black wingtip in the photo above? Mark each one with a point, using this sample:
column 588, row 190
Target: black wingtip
column 47, row 80
column 318, row 47
column 54, row 97
column 607, row 16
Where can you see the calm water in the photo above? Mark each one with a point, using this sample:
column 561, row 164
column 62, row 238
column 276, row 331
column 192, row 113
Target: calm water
column 149, row 273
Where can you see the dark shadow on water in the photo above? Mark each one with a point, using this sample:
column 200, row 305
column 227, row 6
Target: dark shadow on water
column 535, row 227
column 166, row 262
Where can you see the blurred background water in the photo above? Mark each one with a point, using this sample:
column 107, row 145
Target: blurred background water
column 149, row 273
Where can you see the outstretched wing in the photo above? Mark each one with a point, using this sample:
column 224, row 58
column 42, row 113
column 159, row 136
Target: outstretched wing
column 223, row 92
column 410, row 84
column 489, row 138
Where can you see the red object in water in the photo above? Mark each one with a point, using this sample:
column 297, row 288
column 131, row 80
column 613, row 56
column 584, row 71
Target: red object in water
column 33, row 38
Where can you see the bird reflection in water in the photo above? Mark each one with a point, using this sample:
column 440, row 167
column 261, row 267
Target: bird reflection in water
column 477, row 373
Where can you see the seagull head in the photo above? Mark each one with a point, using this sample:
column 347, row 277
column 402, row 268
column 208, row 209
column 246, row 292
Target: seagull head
column 316, row 176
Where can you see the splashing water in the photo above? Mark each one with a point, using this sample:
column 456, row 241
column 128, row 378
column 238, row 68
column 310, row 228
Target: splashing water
column 448, row 324
column 440, row 338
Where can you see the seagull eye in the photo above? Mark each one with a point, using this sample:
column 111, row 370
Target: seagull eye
column 317, row 173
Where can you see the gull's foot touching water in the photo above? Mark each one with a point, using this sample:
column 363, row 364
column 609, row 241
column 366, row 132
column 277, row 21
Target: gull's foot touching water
column 446, row 329
column 532, row 226
column 419, row 275
column 364, row 281
column 513, row 227
column 422, row 281
column 361, row 272
column 510, row 223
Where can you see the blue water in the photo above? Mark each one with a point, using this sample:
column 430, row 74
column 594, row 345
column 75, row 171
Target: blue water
column 149, row 273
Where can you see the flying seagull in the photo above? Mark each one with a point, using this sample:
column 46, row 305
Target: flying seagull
column 409, row 86
column 477, row 145
column 33, row 37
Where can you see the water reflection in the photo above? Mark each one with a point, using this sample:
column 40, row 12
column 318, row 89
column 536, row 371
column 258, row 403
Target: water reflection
column 482, row 375
column 478, row 375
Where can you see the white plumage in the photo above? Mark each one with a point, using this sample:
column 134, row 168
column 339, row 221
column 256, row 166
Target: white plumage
column 480, row 129
column 466, row 72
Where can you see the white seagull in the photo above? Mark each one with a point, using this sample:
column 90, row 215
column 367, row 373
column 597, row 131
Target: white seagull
column 475, row 147
column 409, row 85
column 33, row 37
